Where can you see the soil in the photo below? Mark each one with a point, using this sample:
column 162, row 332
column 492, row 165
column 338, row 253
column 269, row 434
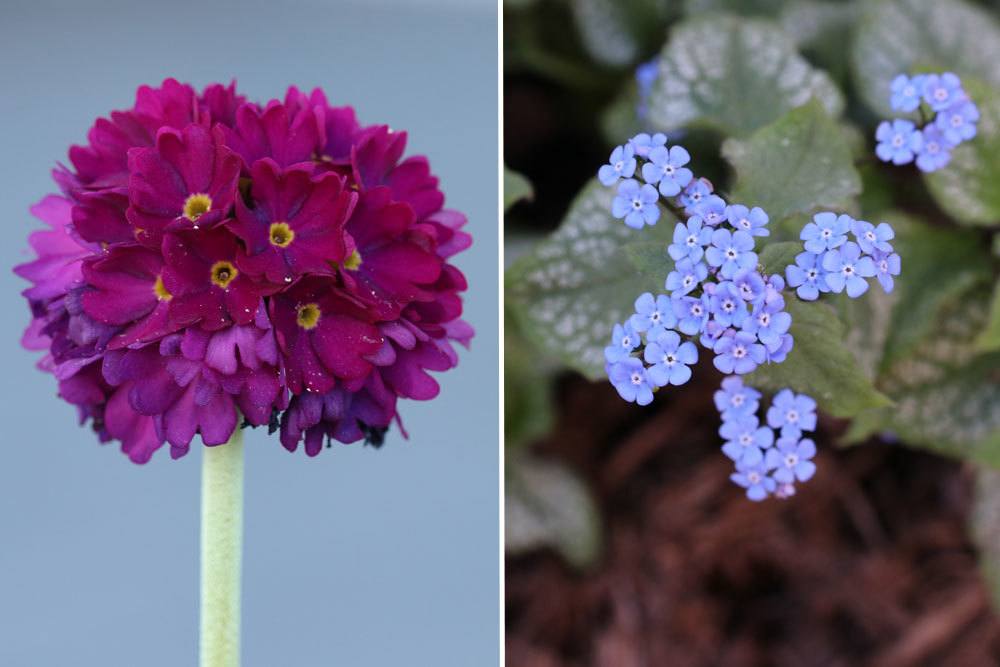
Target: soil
column 870, row 564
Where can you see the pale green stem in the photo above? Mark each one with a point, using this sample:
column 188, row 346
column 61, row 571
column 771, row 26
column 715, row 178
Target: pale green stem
column 221, row 552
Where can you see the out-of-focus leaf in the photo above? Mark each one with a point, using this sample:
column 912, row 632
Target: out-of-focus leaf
column 527, row 390
column 798, row 164
column 985, row 527
column 515, row 188
column 968, row 188
column 571, row 289
column 734, row 75
column 548, row 506
column 989, row 338
column 741, row 7
column 776, row 256
column 820, row 364
column 899, row 36
column 615, row 31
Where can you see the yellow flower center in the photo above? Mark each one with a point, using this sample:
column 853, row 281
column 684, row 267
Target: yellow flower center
column 197, row 205
column 281, row 234
column 353, row 262
column 223, row 273
column 308, row 315
column 161, row 291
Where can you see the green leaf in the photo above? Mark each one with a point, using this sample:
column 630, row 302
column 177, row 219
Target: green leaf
column 968, row 189
column 734, row 75
column 571, row 289
column 989, row 339
column 615, row 31
column 528, row 412
column 515, row 188
column 776, row 256
column 800, row 163
column 901, row 36
column 820, row 364
column 741, row 7
column 546, row 505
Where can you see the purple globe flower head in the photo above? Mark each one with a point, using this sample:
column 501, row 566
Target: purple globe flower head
column 670, row 359
column 825, row 232
column 768, row 322
column 685, row 277
column 621, row 164
column 754, row 221
column 212, row 258
column 690, row 240
column 751, row 285
column 631, row 379
column 643, row 144
column 777, row 352
column 958, row 121
column 636, row 204
column 694, row 194
column 624, row 339
column 871, row 238
column 728, row 306
column 790, row 460
column 755, row 479
column 807, row 276
column 792, row 413
column 712, row 210
column 692, row 313
column 942, row 90
column 735, row 399
column 887, row 265
column 651, row 314
column 666, row 169
column 732, row 252
column 739, row 353
column 935, row 153
column 745, row 439
column 898, row 141
column 846, row 268
column 907, row 92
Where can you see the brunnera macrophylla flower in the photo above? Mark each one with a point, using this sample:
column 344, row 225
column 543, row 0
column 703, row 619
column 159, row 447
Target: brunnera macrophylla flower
column 209, row 259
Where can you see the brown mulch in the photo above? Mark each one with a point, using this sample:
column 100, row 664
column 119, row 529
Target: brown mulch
column 869, row 565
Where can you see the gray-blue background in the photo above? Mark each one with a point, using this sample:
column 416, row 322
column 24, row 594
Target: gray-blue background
column 357, row 557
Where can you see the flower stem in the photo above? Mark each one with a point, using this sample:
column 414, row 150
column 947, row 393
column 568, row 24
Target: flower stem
column 221, row 552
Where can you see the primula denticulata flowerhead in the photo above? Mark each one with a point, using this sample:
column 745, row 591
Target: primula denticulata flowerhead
column 210, row 259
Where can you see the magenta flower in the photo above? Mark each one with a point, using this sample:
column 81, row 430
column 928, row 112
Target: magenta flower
column 211, row 260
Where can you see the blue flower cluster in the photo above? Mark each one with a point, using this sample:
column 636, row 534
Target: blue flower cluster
column 645, row 76
column 954, row 121
column 831, row 263
column 769, row 458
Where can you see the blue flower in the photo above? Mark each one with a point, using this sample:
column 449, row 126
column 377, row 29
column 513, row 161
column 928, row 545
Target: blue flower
column 958, row 122
column 666, row 167
column 642, row 143
column 887, row 265
column 624, row 339
column 632, row 381
column 690, row 239
column 791, row 460
column 935, row 152
column 735, row 399
column 753, row 221
column 670, row 359
column 645, row 76
column 768, row 322
column 732, row 252
column 712, row 210
column 942, row 90
column 739, row 353
column 713, row 331
column 792, row 413
column 898, row 141
column 685, row 277
column 807, row 276
column 755, row 480
column 778, row 352
column 692, row 313
column 637, row 205
column 872, row 238
column 696, row 192
column 825, row 232
column 746, row 439
column 727, row 305
column 846, row 267
column 751, row 285
column 621, row 164
column 907, row 92
column 651, row 313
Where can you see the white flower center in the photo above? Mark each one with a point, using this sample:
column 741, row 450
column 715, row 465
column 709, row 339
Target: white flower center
column 737, row 400
column 636, row 378
column 626, row 342
column 848, row 270
column 669, row 359
column 826, row 233
column 746, row 439
column 753, row 477
column 897, row 141
column 739, row 352
column 792, row 460
column 883, row 266
column 792, row 416
column 696, row 310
